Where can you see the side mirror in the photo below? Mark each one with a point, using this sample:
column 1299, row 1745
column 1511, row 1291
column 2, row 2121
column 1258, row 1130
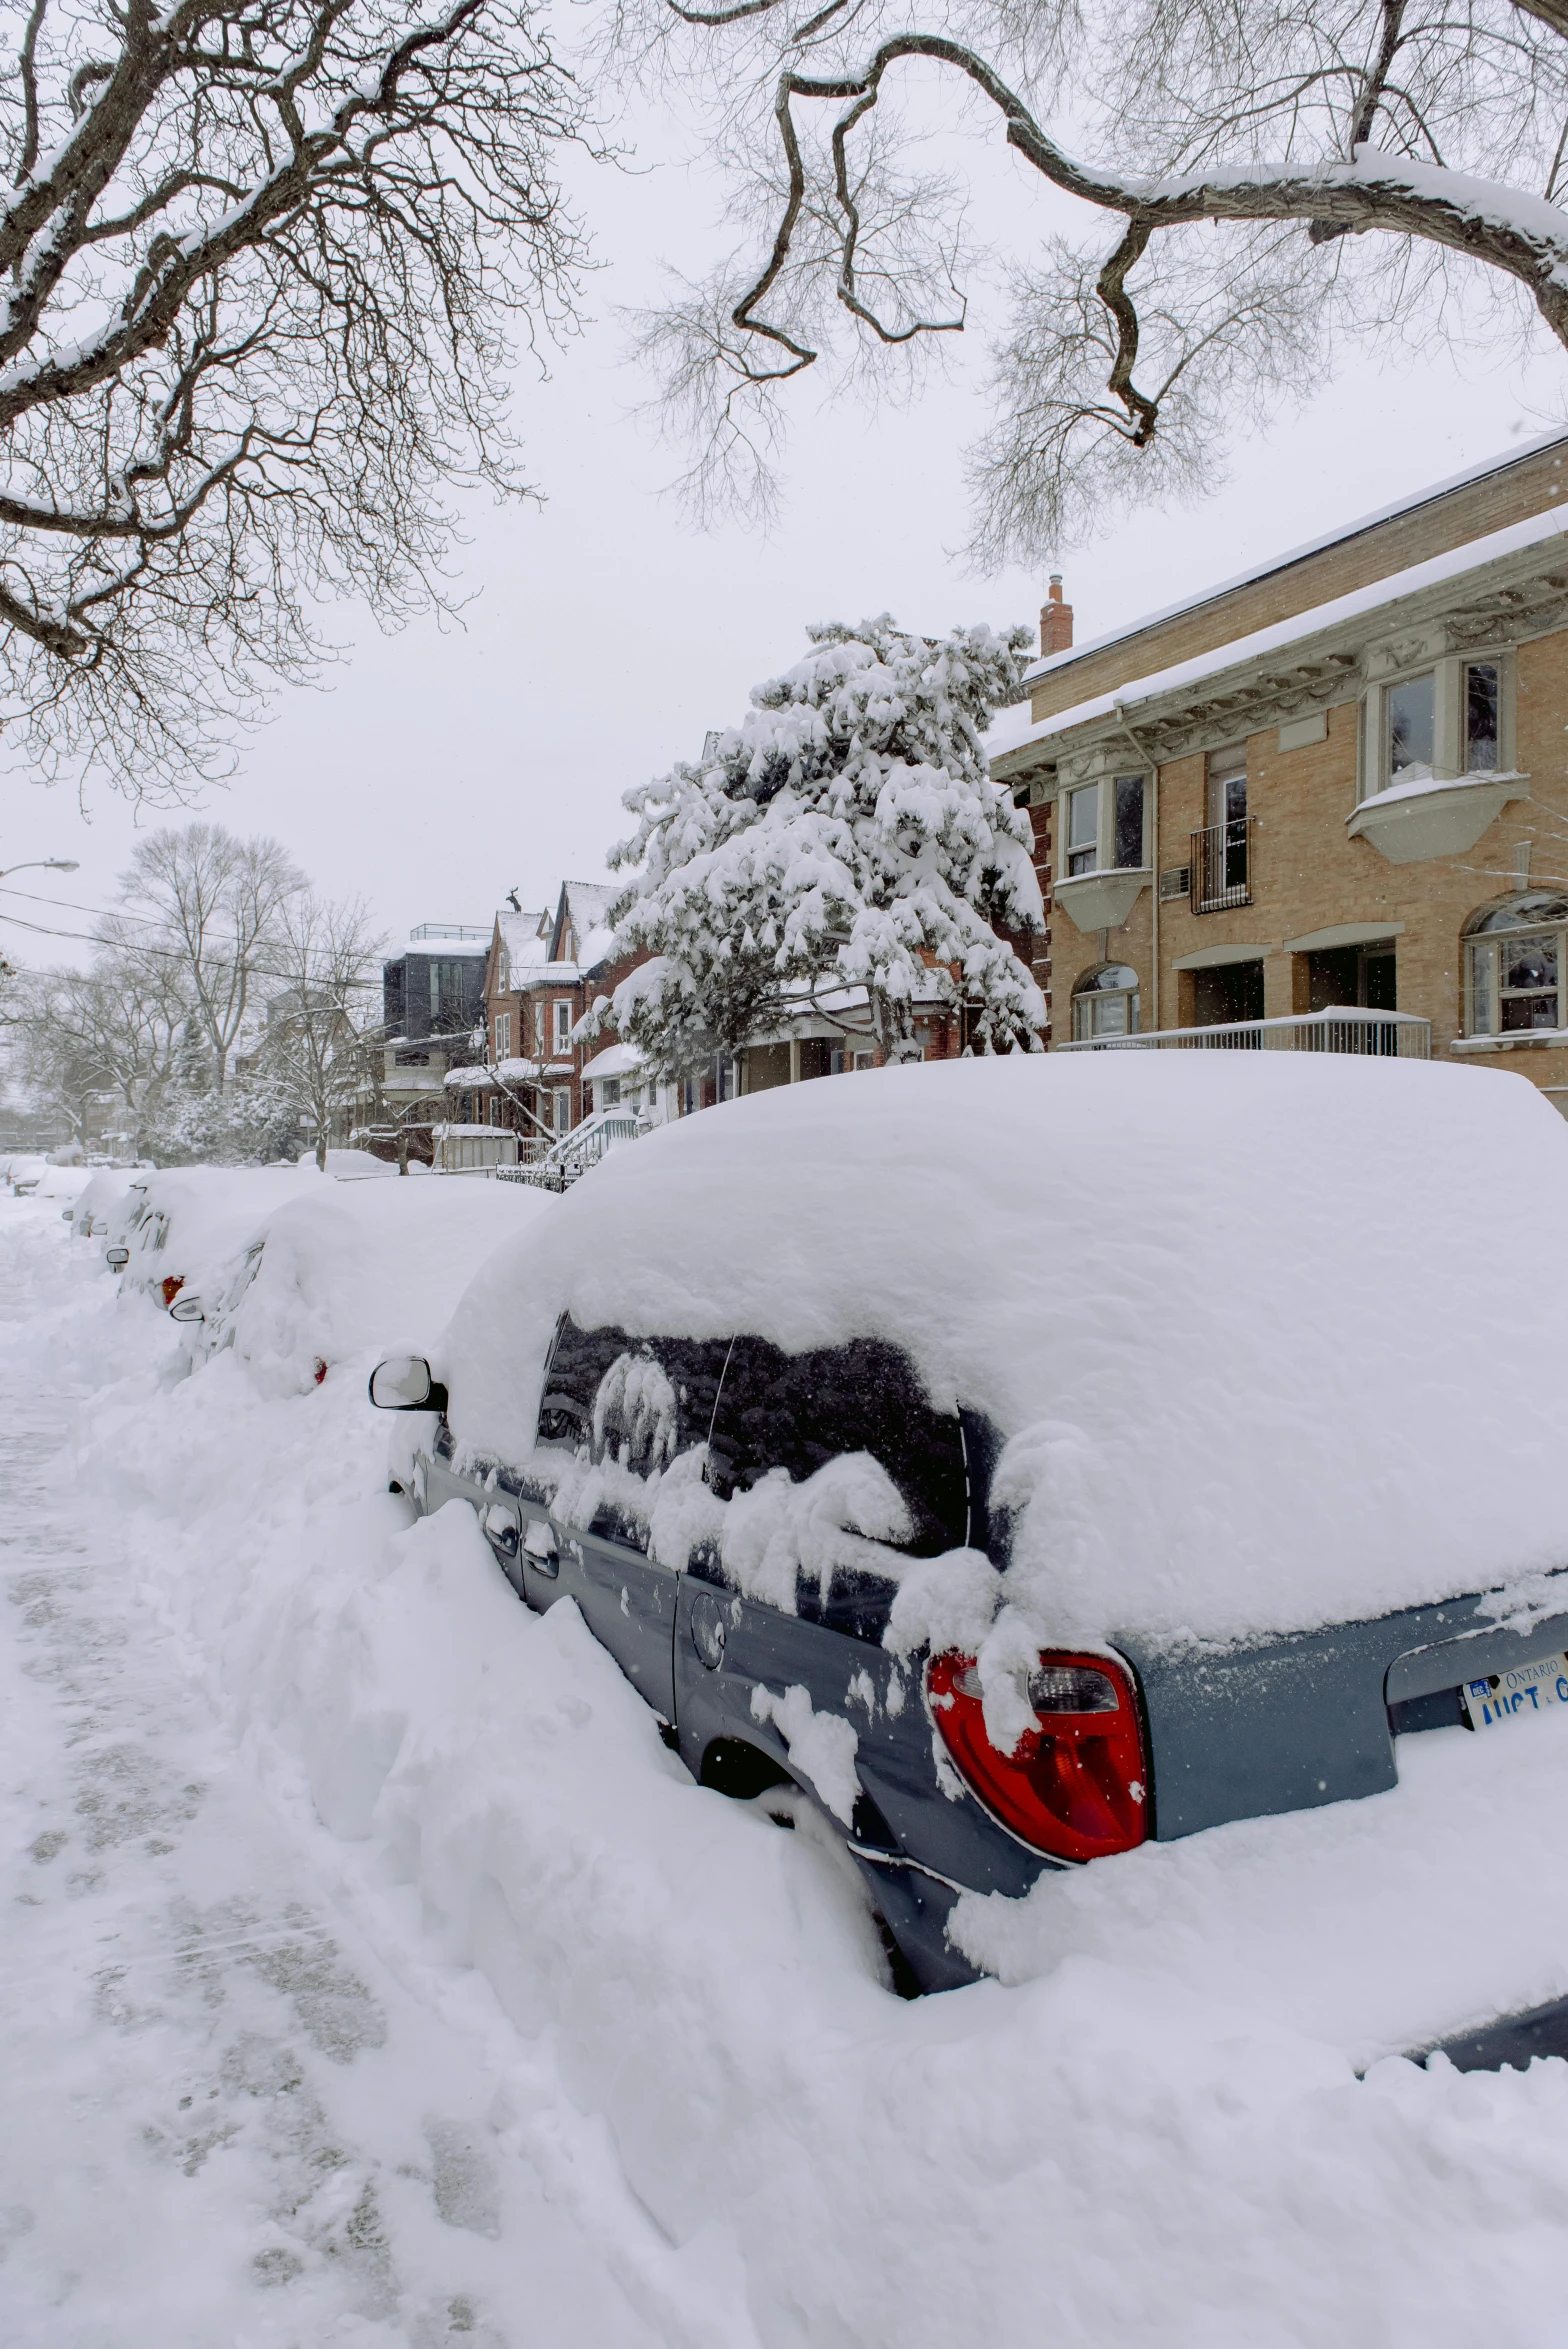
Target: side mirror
column 186, row 1309
column 68, row 1215
column 403, row 1383
column 117, row 1258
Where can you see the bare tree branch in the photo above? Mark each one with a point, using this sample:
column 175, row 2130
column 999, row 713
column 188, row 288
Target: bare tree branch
column 260, row 263
column 1387, row 153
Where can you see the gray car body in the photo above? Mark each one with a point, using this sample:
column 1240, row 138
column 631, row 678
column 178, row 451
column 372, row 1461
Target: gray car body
column 1236, row 1733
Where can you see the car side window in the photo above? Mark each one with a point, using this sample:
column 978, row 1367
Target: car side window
column 627, row 1407
column 799, row 1411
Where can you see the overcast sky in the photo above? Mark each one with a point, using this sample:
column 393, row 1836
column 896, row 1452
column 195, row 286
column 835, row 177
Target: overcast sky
column 441, row 767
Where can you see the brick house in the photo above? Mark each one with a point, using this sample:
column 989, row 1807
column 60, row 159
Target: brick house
column 543, row 972
column 1325, row 805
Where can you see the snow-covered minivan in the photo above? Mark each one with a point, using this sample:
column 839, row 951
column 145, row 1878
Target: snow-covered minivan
column 1036, row 1460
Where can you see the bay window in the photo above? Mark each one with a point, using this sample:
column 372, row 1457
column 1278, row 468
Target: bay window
column 1105, row 826
column 1445, row 724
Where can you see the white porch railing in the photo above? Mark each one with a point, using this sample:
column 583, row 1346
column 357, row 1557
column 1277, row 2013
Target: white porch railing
column 1390, row 1035
column 575, row 1152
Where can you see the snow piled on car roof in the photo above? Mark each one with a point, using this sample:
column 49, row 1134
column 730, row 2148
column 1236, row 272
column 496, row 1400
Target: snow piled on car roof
column 1268, row 1336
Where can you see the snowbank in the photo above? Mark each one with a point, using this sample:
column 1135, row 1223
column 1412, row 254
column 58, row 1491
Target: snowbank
column 1233, row 1313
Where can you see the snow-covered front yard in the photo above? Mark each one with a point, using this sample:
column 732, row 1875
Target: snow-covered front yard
column 374, row 1976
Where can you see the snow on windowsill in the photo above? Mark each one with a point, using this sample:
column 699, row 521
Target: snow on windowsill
column 1423, row 782
column 1547, row 1037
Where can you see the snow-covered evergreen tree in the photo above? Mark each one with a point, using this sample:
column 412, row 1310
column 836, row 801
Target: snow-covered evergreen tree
column 843, row 850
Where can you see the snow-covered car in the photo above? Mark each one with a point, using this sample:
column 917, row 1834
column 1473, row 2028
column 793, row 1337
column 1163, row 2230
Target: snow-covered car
column 98, row 1202
column 296, row 1269
column 1032, row 1458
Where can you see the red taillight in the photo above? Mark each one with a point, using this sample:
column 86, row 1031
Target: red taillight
column 1076, row 1786
column 172, row 1287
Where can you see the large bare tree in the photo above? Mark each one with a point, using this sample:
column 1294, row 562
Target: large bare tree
column 215, row 913
column 315, row 1021
column 1208, row 194
column 262, row 261
column 99, row 1047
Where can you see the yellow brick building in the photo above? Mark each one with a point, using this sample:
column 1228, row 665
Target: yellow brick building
column 1324, row 806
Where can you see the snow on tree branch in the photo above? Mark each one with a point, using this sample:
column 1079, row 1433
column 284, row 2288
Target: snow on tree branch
column 1363, row 164
column 260, row 264
column 843, row 851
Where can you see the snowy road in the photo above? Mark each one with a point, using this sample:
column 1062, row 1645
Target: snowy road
column 226, row 2120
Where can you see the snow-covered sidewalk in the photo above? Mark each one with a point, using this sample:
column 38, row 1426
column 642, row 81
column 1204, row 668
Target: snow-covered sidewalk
column 375, row 1979
column 227, row 2119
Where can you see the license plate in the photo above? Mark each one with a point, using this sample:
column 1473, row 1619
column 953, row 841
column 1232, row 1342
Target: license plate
column 1527, row 1688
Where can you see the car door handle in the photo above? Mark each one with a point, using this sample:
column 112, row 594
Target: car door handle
column 539, row 1544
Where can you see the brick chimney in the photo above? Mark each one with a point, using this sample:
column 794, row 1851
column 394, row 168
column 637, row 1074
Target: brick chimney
column 1056, row 620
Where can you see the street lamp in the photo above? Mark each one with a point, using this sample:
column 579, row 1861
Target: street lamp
column 42, row 864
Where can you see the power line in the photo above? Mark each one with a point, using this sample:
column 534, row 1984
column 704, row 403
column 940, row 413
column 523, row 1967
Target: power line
column 164, row 953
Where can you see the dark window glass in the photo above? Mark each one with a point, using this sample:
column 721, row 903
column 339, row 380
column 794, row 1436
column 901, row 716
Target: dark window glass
column 1481, row 704
column 636, row 1401
column 1129, row 820
column 799, row 1411
column 1410, row 715
column 1528, row 991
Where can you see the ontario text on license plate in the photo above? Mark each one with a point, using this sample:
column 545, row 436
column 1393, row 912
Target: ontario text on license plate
column 1507, row 1696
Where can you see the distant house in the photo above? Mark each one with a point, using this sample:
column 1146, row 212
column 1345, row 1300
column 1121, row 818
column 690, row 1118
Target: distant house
column 543, row 972
column 432, row 1001
column 546, row 970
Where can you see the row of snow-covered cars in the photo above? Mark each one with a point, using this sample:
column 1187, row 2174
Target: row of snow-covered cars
column 1048, row 1472
column 299, row 1272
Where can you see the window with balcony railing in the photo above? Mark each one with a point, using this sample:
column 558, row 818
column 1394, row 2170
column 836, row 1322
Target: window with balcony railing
column 1220, row 867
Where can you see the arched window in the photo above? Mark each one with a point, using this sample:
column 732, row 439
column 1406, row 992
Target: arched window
column 1105, row 1002
column 1516, row 959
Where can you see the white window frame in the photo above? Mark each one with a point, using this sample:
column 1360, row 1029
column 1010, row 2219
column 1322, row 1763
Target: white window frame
column 561, row 1108
column 562, row 1010
column 1486, row 943
column 541, row 1025
column 1450, row 750
column 1084, row 999
column 503, row 1035
column 1105, row 825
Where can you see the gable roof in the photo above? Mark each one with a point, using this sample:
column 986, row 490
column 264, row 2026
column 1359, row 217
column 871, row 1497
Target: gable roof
column 582, row 934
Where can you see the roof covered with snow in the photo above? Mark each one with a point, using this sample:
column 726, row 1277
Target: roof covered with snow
column 584, row 935
column 1014, row 730
column 525, row 942
column 1237, row 1394
column 1270, row 564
